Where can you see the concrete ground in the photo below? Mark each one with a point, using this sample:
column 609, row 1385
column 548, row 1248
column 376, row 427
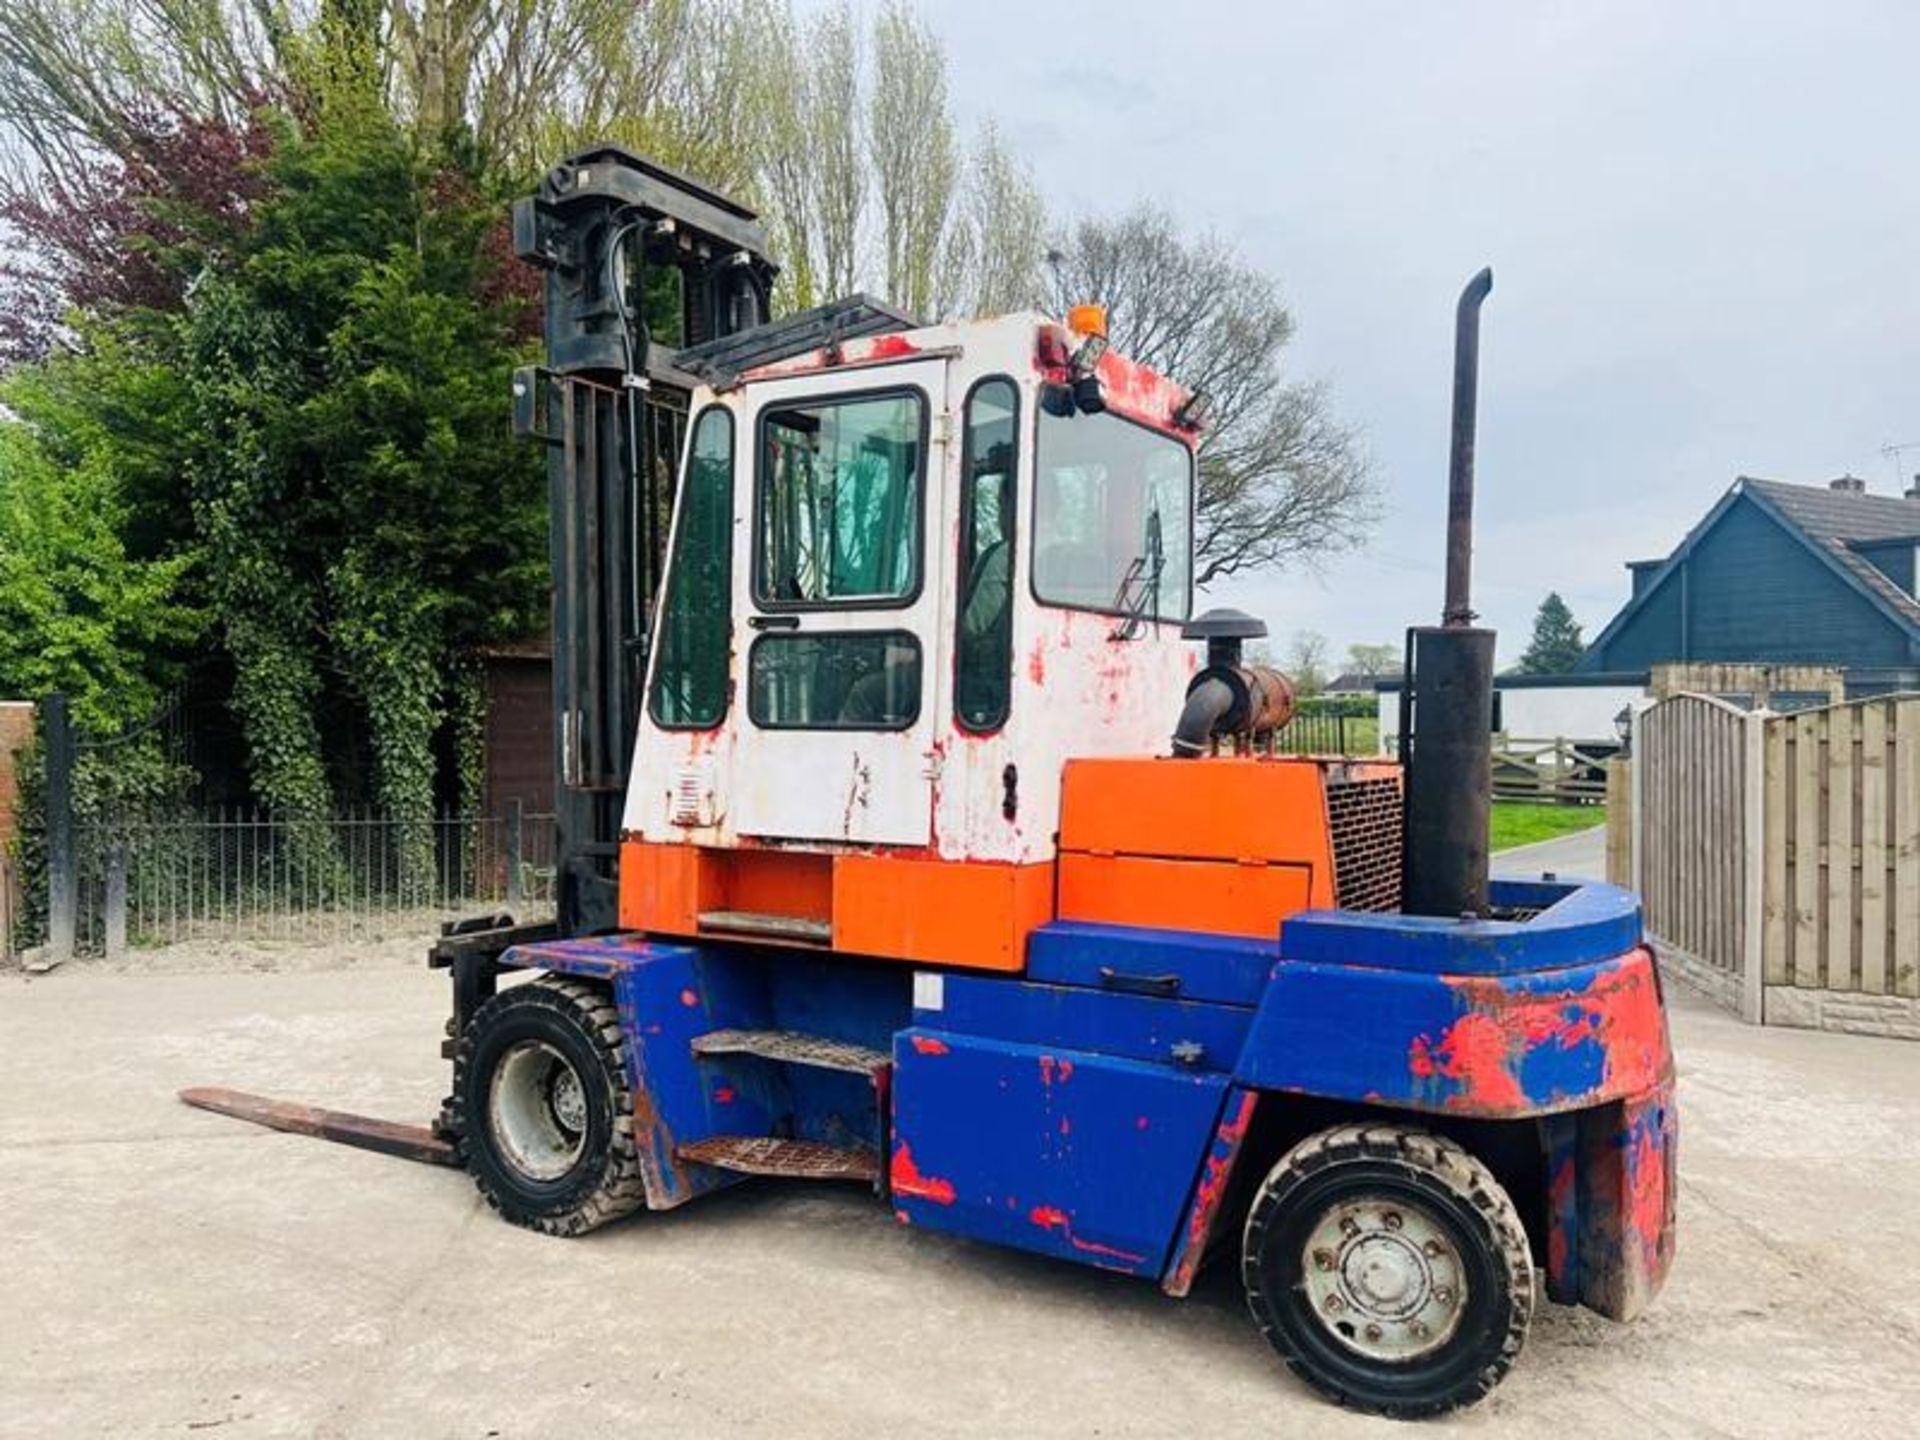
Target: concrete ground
column 168, row 1272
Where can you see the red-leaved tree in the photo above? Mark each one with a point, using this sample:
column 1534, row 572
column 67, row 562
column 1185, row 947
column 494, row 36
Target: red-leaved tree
column 129, row 233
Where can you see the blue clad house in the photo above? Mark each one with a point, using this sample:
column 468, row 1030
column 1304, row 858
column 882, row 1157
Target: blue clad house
column 1782, row 574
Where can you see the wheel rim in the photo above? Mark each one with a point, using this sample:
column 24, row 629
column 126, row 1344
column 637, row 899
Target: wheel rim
column 1383, row 1276
column 537, row 1111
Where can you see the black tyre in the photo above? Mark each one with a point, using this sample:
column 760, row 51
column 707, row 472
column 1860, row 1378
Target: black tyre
column 1390, row 1269
column 541, row 1108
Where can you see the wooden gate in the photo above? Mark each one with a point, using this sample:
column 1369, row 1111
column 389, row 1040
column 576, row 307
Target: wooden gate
column 1694, row 834
column 1778, row 857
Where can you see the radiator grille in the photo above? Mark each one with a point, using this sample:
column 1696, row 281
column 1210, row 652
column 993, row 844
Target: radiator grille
column 1364, row 819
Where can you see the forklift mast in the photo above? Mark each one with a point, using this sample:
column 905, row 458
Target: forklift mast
column 655, row 285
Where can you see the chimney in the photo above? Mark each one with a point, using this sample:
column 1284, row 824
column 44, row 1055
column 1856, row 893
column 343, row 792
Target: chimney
column 1849, row 484
column 1913, row 490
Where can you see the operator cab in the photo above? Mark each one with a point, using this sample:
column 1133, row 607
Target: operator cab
column 910, row 576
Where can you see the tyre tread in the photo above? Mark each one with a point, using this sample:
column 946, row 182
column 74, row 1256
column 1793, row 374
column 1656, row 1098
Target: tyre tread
column 1457, row 1171
column 590, row 1008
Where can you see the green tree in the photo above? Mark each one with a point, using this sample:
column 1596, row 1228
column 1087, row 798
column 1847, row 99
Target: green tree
column 79, row 612
column 1556, row 647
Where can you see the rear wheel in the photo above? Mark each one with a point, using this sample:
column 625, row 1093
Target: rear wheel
column 543, row 1110
column 1390, row 1269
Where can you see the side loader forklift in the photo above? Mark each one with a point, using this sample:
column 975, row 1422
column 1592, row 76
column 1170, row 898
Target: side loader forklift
column 914, row 834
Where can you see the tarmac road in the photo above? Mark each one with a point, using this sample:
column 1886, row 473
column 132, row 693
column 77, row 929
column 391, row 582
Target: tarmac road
column 171, row 1272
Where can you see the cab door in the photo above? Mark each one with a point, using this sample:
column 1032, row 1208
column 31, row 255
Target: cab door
column 840, row 629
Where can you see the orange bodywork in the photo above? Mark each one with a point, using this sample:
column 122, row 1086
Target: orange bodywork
column 932, row 912
column 1225, row 846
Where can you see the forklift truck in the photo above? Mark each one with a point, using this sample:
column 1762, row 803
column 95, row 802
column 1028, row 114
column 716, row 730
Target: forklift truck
column 914, row 834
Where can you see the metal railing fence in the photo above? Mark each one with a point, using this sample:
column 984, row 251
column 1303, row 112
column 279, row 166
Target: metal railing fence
column 228, row 874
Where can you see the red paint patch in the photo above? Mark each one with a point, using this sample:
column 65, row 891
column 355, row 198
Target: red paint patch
column 1037, row 664
column 1210, row 1193
column 906, row 1179
column 689, row 998
column 723, row 1095
column 1474, row 1052
column 928, row 1045
column 1048, row 1217
column 1482, row 1050
column 1559, row 1204
column 1139, row 1122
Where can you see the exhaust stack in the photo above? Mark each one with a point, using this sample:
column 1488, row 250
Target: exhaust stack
column 1446, row 701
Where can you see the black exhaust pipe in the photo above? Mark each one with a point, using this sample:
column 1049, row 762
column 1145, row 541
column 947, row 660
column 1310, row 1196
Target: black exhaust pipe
column 1446, row 738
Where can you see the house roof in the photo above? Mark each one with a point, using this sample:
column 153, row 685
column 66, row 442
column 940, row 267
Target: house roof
column 1832, row 518
column 1828, row 522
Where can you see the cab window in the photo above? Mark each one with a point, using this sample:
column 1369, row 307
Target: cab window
column 1112, row 517
column 839, row 502
column 696, row 618
column 983, row 664
column 847, row 680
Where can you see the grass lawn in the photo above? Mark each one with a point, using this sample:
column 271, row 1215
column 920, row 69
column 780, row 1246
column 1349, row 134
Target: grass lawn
column 1516, row 822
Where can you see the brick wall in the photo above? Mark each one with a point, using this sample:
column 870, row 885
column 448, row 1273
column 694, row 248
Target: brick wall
column 16, row 730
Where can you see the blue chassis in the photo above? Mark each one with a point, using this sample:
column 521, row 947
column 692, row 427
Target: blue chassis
column 1093, row 1109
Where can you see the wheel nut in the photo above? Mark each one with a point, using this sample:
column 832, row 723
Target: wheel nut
column 1373, row 1332
column 1323, row 1259
column 1418, row 1328
column 1391, row 1219
column 1443, row 1295
column 1349, row 1226
column 1432, row 1249
column 1336, row 1304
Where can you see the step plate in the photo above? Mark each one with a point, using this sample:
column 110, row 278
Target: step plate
column 770, row 927
column 795, row 1047
column 798, row 1159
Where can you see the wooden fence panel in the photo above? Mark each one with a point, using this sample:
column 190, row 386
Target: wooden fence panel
column 1802, row 839
column 1905, row 783
column 1842, row 839
column 1871, row 926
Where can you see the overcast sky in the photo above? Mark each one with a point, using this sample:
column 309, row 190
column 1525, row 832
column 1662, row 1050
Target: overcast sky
column 1703, row 220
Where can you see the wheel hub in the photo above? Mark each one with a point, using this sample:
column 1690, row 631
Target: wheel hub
column 1384, row 1278
column 537, row 1110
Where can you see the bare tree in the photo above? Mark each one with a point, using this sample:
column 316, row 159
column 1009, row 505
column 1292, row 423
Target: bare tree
column 1374, row 660
column 1004, row 223
column 1282, row 479
column 836, row 138
column 915, row 164
column 813, row 161
column 1306, row 662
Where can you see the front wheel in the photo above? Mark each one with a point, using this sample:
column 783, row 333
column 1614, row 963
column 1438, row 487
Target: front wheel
column 1389, row 1269
column 542, row 1109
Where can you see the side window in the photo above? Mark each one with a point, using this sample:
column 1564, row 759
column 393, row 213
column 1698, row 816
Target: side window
column 983, row 664
column 696, row 620
column 839, row 502
column 841, row 681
